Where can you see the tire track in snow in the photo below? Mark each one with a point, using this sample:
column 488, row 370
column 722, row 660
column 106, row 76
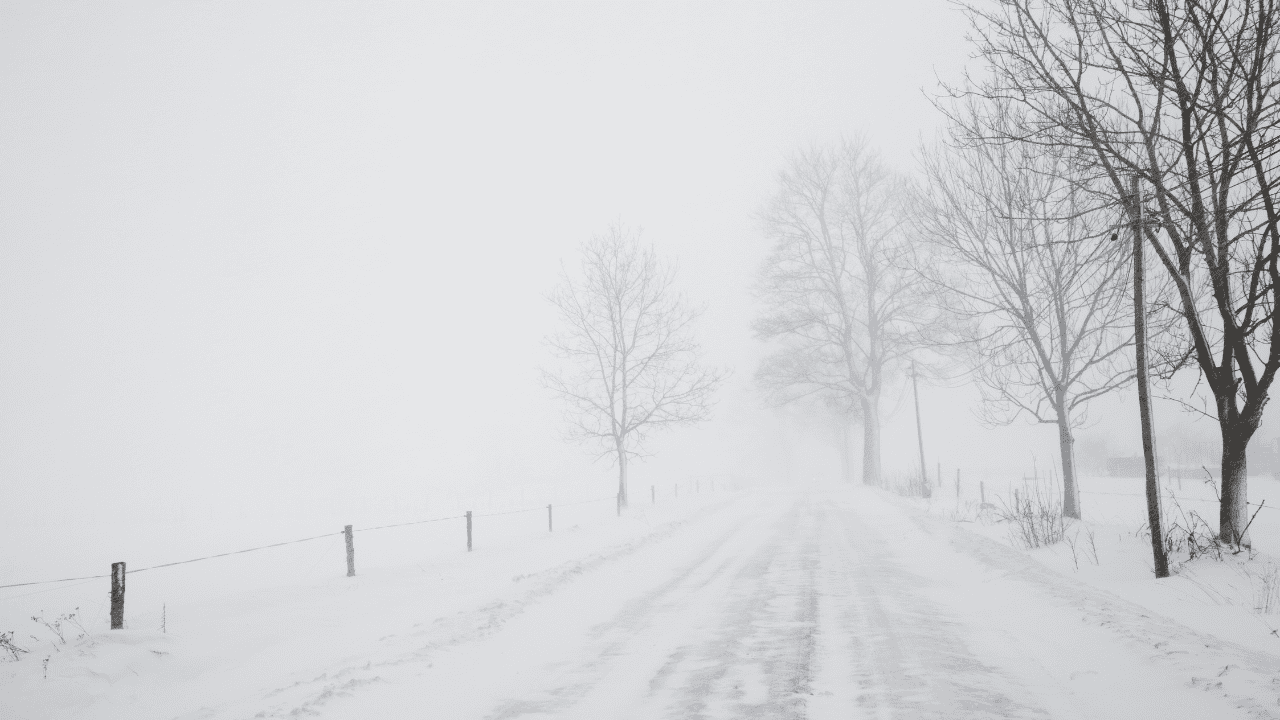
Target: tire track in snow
column 817, row 591
column 752, row 659
column 908, row 660
column 803, row 606
column 307, row 697
column 767, row 633
column 703, row 583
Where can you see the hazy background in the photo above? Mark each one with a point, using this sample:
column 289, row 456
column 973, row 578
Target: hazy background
column 287, row 261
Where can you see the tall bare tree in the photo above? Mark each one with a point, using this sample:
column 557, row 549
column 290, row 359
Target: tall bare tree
column 631, row 363
column 1031, row 281
column 1185, row 96
column 837, row 295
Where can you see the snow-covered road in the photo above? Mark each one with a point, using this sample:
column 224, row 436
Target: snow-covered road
column 835, row 604
column 826, row 603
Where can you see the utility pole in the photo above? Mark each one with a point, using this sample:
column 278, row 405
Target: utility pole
column 924, row 469
column 1144, row 395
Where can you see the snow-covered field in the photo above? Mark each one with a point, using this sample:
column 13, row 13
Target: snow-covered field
column 213, row 633
column 816, row 602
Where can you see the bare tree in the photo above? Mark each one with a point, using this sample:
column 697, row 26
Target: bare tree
column 1034, row 292
column 1183, row 95
column 631, row 364
column 837, row 296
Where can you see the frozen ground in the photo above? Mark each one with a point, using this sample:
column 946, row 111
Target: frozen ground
column 822, row 604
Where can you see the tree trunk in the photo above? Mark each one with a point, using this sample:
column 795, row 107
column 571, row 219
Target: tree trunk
column 870, row 442
column 622, row 475
column 846, row 453
column 1233, row 511
column 1066, row 445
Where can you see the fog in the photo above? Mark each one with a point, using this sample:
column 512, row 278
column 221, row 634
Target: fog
column 272, row 269
column 257, row 258
column 291, row 261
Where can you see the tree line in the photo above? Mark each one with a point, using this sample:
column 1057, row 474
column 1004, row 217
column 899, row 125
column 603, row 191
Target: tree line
column 1007, row 252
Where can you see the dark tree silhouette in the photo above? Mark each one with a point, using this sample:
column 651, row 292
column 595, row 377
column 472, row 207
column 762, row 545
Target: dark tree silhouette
column 1185, row 97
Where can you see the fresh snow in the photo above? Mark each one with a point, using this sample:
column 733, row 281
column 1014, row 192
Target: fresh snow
column 818, row 602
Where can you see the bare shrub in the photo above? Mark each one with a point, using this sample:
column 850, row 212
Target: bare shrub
column 1079, row 549
column 968, row 511
column 1189, row 533
column 1072, row 541
column 1266, row 590
column 904, row 484
column 1035, row 518
column 56, row 626
column 7, row 645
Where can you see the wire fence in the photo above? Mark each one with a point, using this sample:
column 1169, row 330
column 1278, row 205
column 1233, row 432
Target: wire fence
column 118, row 570
column 1165, row 493
column 405, row 524
column 299, row 540
column 1176, row 498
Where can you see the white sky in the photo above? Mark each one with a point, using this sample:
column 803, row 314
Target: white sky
column 277, row 253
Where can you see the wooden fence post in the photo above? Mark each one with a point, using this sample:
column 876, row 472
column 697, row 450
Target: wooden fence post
column 982, row 491
column 117, row 596
column 468, row 531
column 351, row 552
column 619, row 503
column 957, row 483
column 653, row 495
column 939, row 474
column 548, row 517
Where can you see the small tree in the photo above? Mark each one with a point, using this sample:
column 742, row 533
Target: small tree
column 631, row 363
column 1032, row 283
column 838, row 300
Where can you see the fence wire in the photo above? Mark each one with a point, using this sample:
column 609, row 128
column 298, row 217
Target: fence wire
column 1261, row 505
column 403, row 524
column 291, row 542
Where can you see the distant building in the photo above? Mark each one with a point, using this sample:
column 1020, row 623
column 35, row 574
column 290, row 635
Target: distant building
column 1132, row 466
